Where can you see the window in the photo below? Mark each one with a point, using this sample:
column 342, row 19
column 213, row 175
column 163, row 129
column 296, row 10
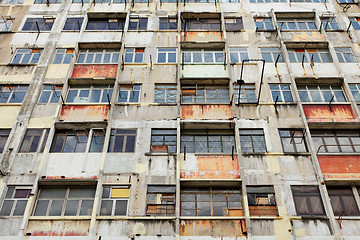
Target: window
column 101, row 24
column 69, row 141
column 347, row 1
column 166, row 55
column 207, row 141
column 293, row 141
column 261, row 200
column 129, row 93
column 89, row 94
column 142, row 1
column 160, row 200
column 114, row 201
column 267, row 1
column 46, row 1
column 342, row 201
column 271, row 55
column 4, row 134
column 163, row 140
column 165, row 94
column 6, row 23
column 247, row 93
column 198, row 1
column 281, row 93
column 63, row 56
column 230, row 1
column 205, row 94
column 50, row 94
column 237, row 55
column 311, row 1
column 264, row 24
column 81, row 1
column 345, row 55
column 207, row 24
column 168, row 1
column 211, row 201
column 355, row 22
column 234, row 24
column 101, row 56
column 73, row 24
column 12, row 1
column 134, row 55
column 355, row 90
column 307, row 201
column 26, row 56
column 138, row 23
column 297, row 24
column 15, row 201
column 33, row 141
column 38, row 24
column 203, row 56
column 12, row 93
column 167, row 23
column 336, row 141
column 65, row 201
column 252, row 141
column 321, row 93
column 122, row 140
column 329, row 23
column 113, row 1
column 309, row 55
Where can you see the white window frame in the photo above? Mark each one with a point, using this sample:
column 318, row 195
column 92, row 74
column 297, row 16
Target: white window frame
column 190, row 53
column 241, row 53
column 321, row 92
column 166, row 51
column 283, row 24
column 86, row 52
column 91, row 88
column 130, row 89
column 22, row 52
column 308, row 55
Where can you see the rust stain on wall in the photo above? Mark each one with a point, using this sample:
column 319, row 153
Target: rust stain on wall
column 214, row 228
column 84, row 113
column 201, row 36
column 325, row 113
column 198, row 112
column 58, row 228
column 340, row 166
column 307, row 36
column 94, row 71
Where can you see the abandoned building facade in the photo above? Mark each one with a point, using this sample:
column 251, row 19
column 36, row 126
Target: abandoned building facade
column 179, row 119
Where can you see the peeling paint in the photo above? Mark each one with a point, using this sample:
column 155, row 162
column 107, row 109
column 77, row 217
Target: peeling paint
column 207, row 36
column 197, row 112
column 214, row 228
column 84, row 113
column 340, row 166
column 95, row 71
column 325, row 113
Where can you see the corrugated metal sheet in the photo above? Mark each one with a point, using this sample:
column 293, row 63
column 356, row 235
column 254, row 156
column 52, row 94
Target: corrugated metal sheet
column 189, row 36
column 209, row 112
column 95, row 71
column 325, row 113
column 58, row 228
column 214, row 228
column 340, row 166
column 84, row 113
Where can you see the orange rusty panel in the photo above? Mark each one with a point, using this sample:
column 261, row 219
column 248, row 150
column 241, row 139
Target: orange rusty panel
column 214, row 167
column 95, row 71
column 325, row 113
column 58, row 228
column 202, row 112
column 201, row 36
column 214, row 228
column 84, row 113
column 340, row 166
column 307, row 36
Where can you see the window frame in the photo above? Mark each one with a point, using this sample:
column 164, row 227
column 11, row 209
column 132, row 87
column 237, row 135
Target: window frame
column 282, row 88
column 215, row 54
column 334, row 135
column 112, row 142
column 104, row 92
column 114, row 199
column 97, row 24
column 307, row 195
column 14, row 199
column 4, row 21
column 4, row 136
column 55, row 89
column 356, row 23
column 70, row 26
column 167, row 52
column 14, row 89
column 304, row 88
column 201, row 24
column 167, row 99
column 190, row 94
column 329, row 23
column 296, row 22
column 35, row 54
column 240, row 53
column 247, row 92
column 341, row 193
column 38, row 24
column 64, row 53
column 84, row 54
column 134, row 54
column 141, row 24
column 249, row 135
column 264, row 24
column 166, row 132
column 33, row 133
column 293, row 139
column 234, row 24
column 323, row 55
column 343, row 52
column 273, row 53
column 169, row 22
column 160, row 194
column 130, row 89
column 355, row 91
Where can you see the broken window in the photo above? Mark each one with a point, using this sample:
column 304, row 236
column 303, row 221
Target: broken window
column 165, row 93
column 12, row 1
column 345, row 55
column 47, row 1
column 207, row 141
column 26, row 56
column 34, row 140
column 167, row 23
column 65, row 201
column 342, row 201
column 138, row 23
column 237, row 55
column 73, row 24
column 296, row 24
column 234, row 24
column 309, row 55
column 293, row 141
column 129, row 93
column 50, row 94
column 355, row 90
column 5, row 23
column 63, row 56
column 160, row 200
column 203, row 56
column 206, row 24
column 247, row 93
column 205, row 94
column 321, row 93
column 261, row 200
column 12, row 93
column 4, row 134
column 122, row 140
column 101, row 24
column 271, row 55
column 114, row 201
column 355, row 22
column 101, row 56
column 89, row 94
column 307, row 201
column 163, row 140
column 134, row 55
column 166, row 55
column 336, row 141
column 252, row 141
column 264, row 23
column 329, row 23
column 211, row 201
column 281, row 92
column 15, row 201
column 38, row 24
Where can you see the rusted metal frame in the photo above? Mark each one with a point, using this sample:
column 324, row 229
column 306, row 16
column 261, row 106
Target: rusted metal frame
column 302, row 61
column 148, row 3
column 224, row 60
column 339, row 219
column 37, row 26
column 82, row 3
column 277, row 59
column 240, row 82
column 151, row 63
column 338, row 145
column 78, row 22
column 48, row 3
column 182, row 61
column 62, row 101
column 331, row 100
column 348, row 29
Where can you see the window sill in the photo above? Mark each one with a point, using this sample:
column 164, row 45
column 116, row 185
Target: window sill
column 245, row 63
column 338, row 154
column 71, row 31
column 213, row 154
column 128, row 104
column 117, row 31
column 254, row 153
column 299, row 30
column 202, row 64
column 94, row 64
column 166, row 30
column 135, row 218
column 212, row 218
column 42, row 31
column 165, row 63
column 21, row 64
column 265, row 30
column 85, row 104
column 163, row 104
column 309, row 218
column 59, row 218
column 206, row 104
column 10, row 104
column 266, row 217
column 278, row 103
column 136, row 64
column 296, row 154
column 325, row 103
column 159, row 154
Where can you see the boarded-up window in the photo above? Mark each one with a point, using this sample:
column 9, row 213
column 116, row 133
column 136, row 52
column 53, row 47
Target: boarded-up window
column 163, row 140
column 308, row 201
column 114, row 201
column 342, row 201
column 160, row 201
column 261, row 200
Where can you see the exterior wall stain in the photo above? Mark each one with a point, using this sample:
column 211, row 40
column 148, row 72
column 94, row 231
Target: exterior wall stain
column 58, row 228
column 94, row 71
column 324, row 113
column 81, row 113
column 207, row 36
column 216, row 228
column 197, row 112
column 340, row 166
